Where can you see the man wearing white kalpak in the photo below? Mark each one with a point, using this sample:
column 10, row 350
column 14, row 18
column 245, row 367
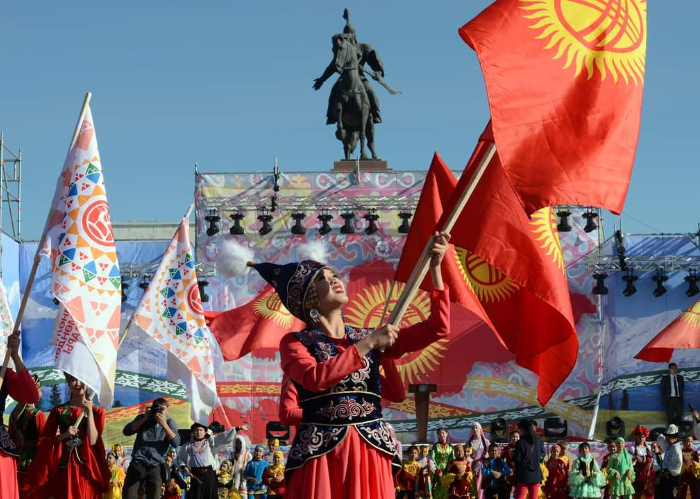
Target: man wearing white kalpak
column 671, row 464
column 198, row 459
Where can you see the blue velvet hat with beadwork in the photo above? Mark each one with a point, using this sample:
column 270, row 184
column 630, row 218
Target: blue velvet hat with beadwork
column 291, row 281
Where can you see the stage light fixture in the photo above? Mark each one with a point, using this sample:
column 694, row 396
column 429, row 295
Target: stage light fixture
column 371, row 218
column 692, row 279
column 499, row 431
column 659, row 279
column 125, row 286
column 564, row 225
column 349, row 223
column 145, row 280
column 555, row 428
column 590, row 217
column 620, row 247
column 237, row 229
column 615, row 427
column 298, row 227
column 266, row 228
column 203, row 283
column 405, row 226
column 599, row 288
column 629, row 279
column 213, row 218
column 274, row 205
column 324, row 218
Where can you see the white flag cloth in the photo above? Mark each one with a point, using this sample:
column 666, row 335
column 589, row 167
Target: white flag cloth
column 86, row 278
column 171, row 312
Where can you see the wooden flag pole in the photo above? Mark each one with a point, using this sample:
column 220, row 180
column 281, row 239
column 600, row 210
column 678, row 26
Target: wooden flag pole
column 37, row 256
column 421, row 269
column 126, row 330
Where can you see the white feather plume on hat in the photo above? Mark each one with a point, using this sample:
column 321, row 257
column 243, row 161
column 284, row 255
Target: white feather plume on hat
column 232, row 260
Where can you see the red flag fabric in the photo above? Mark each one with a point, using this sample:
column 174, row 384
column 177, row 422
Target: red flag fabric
column 683, row 332
column 515, row 266
column 259, row 324
column 564, row 81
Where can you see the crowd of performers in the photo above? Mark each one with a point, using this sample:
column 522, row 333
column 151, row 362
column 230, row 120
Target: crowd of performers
column 668, row 468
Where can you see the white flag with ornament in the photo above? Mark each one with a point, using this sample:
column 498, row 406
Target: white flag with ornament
column 171, row 312
column 86, row 279
column 6, row 322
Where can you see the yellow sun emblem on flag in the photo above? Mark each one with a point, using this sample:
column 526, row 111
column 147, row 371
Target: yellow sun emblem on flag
column 489, row 283
column 271, row 307
column 692, row 315
column 607, row 35
column 366, row 309
column 545, row 227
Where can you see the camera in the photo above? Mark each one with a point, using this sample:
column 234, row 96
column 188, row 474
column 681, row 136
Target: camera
column 155, row 409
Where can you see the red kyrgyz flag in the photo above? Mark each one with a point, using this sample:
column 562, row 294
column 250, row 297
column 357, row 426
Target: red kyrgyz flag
column 683, row 332
column 259, row 324
column 564, row 80
column 515, row 266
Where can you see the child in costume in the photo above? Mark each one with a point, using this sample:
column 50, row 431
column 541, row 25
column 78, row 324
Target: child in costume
column 171, row 490
column 116, row 479
column 479, row 445
column 508, row 456
column 620, row 472
column 557, row 484
column 495, row 472
column 459, row 478
column 253, row 474
column 585, row 478
column 643, row 460
column 273, row 477
column 425, row 475
column 225, row 481
column 442, row 455
column 407, row 478
column 604, row 466
column 564, row 455
column 690, row 472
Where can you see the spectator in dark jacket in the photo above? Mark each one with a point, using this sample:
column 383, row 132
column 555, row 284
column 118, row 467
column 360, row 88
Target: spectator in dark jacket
column 527, row 456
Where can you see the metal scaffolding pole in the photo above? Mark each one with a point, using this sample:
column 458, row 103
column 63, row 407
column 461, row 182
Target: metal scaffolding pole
column 10, row 190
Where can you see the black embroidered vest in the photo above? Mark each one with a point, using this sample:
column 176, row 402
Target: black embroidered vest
column 6, row 444
column 354, row 401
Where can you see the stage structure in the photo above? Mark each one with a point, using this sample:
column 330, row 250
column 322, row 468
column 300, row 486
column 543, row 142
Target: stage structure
column 10, row 192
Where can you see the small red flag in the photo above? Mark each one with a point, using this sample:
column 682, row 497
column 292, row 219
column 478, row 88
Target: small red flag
column 683, row 332
column 564, row 81
column 259, row 324
column 516, row 267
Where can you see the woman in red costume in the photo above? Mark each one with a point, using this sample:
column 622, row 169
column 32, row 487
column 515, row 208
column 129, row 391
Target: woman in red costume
column 643, row 460
column 19, row 385
column 71, row 459
column 343, row 448
column 557, row 484
column 508, row 456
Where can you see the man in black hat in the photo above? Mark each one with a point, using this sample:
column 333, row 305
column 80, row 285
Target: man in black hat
column 155, row 432
column 672, row 393
column 671, row 464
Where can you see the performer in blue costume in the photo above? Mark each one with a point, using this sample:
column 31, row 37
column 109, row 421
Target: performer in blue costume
column 253, row 474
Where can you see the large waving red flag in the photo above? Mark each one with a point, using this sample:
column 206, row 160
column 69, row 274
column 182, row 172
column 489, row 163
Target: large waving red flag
column 515, row 266
column 564, row 80
column 259, row 324
column 683, row 332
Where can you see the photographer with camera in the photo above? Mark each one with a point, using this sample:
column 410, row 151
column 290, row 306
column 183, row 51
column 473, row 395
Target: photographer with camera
column 155, row 432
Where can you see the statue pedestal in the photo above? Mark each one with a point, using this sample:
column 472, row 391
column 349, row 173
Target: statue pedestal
column 366, row 165
column 422, row 398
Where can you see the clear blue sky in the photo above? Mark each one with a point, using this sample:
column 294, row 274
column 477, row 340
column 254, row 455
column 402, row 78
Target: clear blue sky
column 228, row 84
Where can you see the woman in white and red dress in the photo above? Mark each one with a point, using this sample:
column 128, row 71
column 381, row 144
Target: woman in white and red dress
column 343, row 448
column 19, row 385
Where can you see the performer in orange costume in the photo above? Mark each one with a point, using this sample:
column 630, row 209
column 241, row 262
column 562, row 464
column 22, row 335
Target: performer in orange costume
column 343, row 448
column 71, row 459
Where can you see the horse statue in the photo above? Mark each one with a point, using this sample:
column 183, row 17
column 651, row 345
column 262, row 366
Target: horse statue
column 353, row 105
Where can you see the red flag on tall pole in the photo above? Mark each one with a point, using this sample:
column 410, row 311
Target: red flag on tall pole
column 564, row 81
column 683, row 332
column 515, row 265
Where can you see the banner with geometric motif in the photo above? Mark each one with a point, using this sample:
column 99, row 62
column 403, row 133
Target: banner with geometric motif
column 171, row 313
column 6, row 322
column 85, row 271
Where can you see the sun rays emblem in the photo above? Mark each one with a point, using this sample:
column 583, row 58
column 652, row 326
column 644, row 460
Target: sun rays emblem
column 692, row 315
column 271, row 307
column 605, row 35
column 365, row 310
column 545, row 227
column 489, row 283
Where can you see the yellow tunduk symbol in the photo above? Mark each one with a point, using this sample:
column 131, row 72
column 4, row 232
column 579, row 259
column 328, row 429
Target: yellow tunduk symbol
column 271, row 308
column 605, row 35
column 545, row 227
column 489, row 283
column 692, row 315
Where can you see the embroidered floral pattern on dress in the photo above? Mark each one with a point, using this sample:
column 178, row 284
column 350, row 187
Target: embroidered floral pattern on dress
column 378, row 434
column 347, row 408
column 6, row 443
column 310, row 439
